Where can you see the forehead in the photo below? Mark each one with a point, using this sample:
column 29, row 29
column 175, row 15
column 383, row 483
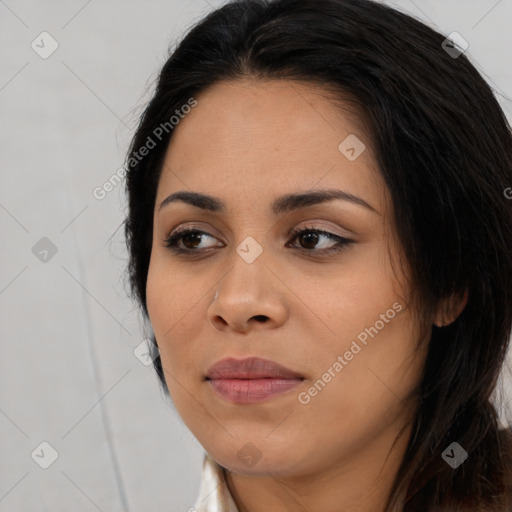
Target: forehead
column 260, row 138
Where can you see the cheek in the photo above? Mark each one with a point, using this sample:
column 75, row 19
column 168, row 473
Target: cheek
column 168, row 295
column 165, row 313
column 158, row 298
column 164, row 310
column 371, row 389
column 174, row 302
column 374, row 333
column 351, row 297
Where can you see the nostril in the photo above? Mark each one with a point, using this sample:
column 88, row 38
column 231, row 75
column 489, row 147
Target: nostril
column 261, row 318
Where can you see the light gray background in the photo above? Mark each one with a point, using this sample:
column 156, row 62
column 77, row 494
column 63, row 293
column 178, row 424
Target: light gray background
column 68, row 375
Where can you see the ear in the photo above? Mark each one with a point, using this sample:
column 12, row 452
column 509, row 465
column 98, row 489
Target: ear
column 450, row 308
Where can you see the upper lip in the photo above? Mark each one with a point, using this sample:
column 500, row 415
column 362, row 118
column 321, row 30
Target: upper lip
column 249, row 368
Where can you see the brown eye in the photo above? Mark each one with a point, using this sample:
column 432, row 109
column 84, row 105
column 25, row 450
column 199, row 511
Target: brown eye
column 186, row 241
column 189, row 238
column 309, row 238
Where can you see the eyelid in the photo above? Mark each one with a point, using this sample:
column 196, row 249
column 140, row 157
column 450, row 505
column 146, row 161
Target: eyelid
column 194, row 227
column 316, row 225
column 310, row 224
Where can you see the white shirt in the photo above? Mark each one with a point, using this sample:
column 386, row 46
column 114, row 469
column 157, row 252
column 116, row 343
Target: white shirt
column 214, row 494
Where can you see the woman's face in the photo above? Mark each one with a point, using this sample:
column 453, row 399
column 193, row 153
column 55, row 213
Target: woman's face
column 337, row 319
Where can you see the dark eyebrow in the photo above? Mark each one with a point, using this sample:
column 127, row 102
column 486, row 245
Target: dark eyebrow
column 281, row 205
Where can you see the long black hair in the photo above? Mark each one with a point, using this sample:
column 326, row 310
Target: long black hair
column 444, row 148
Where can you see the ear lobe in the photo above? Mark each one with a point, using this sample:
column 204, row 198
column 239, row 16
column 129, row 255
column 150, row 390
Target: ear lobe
column 450, row 308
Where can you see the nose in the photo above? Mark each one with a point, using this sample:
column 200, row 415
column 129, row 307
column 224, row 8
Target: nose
column 249, row 296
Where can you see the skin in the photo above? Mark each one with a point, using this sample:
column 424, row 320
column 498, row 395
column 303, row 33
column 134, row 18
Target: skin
column 248, row 143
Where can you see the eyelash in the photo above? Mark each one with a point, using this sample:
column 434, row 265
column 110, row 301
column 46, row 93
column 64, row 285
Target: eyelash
column 171, row 241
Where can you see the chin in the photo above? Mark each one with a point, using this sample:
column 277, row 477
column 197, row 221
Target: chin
column 251, row 460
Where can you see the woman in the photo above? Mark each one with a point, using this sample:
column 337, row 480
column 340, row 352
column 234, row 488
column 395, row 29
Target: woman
column 319, row 234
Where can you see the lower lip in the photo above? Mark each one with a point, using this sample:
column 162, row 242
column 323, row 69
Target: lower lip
column 248, row 391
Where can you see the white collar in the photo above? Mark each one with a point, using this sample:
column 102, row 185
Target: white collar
column 214, row 494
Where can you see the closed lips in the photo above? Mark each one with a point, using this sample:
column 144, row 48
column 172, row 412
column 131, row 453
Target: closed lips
column 250, row 368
